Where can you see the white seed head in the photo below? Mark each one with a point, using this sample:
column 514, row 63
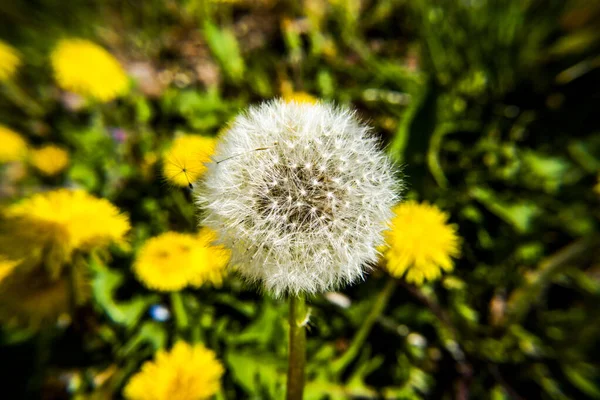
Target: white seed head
column 293, row 227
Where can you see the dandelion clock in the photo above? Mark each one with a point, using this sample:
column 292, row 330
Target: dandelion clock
column 301, row 194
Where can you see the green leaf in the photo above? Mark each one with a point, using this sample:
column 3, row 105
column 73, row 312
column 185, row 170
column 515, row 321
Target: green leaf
column 143, row 111
column 545, row 171
column 520, row 215
column 576, row 42
column 257, row 373
column 150, row 332
column 583, row 378
column 418, row 124
column 266, row 330
column 104, row 283
column 224, row 46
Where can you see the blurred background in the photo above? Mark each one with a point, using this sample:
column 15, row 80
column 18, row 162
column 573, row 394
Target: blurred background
column 107, row 109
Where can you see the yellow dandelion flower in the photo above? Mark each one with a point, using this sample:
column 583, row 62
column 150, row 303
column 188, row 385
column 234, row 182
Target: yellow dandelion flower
column 185, row 373
column 63, row 221
column 173, row 260
column 84, row 68
column 9, row 61
column 13, row 148
column 165, row 262
column 184, row 163
column 49, row 160
column 215, row 259
column 300, row 97
column 420, row 243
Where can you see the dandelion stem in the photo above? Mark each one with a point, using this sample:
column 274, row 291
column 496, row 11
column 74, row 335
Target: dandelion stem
column 360, row 337
column 297, row 348
column 74, row 296
column 183, row 206
column 22, row 99
column 181, row 319
column 523, row 298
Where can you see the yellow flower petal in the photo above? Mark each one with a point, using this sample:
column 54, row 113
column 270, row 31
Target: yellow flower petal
column 85, row 68
column 300, row 97
column 49, row 160
column 14, row 147
column 184, row 163
column 55, row 224
column 173, row 260
column 420, row 243
column 185, row 373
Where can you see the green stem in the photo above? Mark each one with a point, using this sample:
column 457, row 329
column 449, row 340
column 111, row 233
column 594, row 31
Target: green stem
column 22, row 99
column 43, row 344
column 75, row 296
column 184, row 208
column 522, row 299
column 181, row 319
column 297, row 348
column 360, row 337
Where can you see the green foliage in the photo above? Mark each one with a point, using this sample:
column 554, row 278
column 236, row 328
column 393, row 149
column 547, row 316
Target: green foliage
column 489, row 106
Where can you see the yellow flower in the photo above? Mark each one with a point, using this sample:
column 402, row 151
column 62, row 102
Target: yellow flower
column 214, row 262
column 185, row 373
column 183, row 164
column 9, row 61
column 53, row 225
column 13, row 148
column 300, row 97
column 173, row 260
column 420, row 243
column 49, row 160
column 85, row 68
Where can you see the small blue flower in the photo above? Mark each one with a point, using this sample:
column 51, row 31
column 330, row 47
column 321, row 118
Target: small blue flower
column 159, row 313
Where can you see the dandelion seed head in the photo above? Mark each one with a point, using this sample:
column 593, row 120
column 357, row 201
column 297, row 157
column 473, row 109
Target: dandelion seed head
column 308, row 233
